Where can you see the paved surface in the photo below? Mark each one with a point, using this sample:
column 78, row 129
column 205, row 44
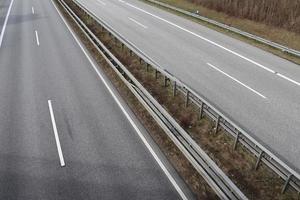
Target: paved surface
column 4, row 5
column 256, row 89
column 104, row 156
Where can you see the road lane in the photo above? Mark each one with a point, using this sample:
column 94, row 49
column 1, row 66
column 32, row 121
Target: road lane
column 184, row 48
column 104, row 156
column 4, row 20
column 4, row 5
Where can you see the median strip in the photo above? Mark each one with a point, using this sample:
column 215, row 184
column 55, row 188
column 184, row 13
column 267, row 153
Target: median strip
column 238, row 164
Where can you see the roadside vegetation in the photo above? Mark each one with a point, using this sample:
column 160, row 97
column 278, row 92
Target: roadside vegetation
column 237, row 164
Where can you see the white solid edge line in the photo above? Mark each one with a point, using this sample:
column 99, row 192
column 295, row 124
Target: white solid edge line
column 214, row 43
column 201, row 37
column 246, row 86
column 165, row 170
column 32, row 10
column 37, row 38
column 138, row 23
column 288, row 79
column 60, row 154
column 5, row 22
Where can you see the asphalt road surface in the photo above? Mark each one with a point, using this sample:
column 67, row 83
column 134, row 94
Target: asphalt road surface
column 63, row 134
column 256, row 89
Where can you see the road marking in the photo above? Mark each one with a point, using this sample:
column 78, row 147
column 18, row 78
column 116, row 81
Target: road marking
column 5, row 22
column 214, row 43
column 138, row 23
column 288, row 79
column 37, row 38
column 60, row 154
column 160, row 163
column 121, row 1
column 32, row 10
column 199, row 36
column 246, row 86
column 101, row 2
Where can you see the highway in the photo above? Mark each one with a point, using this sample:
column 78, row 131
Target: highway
column 64, row 131
column 256, row 89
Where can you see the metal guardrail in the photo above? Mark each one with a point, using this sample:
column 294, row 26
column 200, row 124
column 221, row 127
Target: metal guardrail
column 229, row 28
column 285, row 172
column 214, row 176
column 290, row 176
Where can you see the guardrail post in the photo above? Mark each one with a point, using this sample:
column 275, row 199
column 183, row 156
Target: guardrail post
column 166, row 81
column 116, row 41
column 174, row 88
column 141, row 60
column 147, row 67
column 217, row 124
column 122, row 46
column 286, row 183
column 258, row 160
column 201, row 111
column 236, row 140
column 156, row 74
column 187, row 98
column 130, row 52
